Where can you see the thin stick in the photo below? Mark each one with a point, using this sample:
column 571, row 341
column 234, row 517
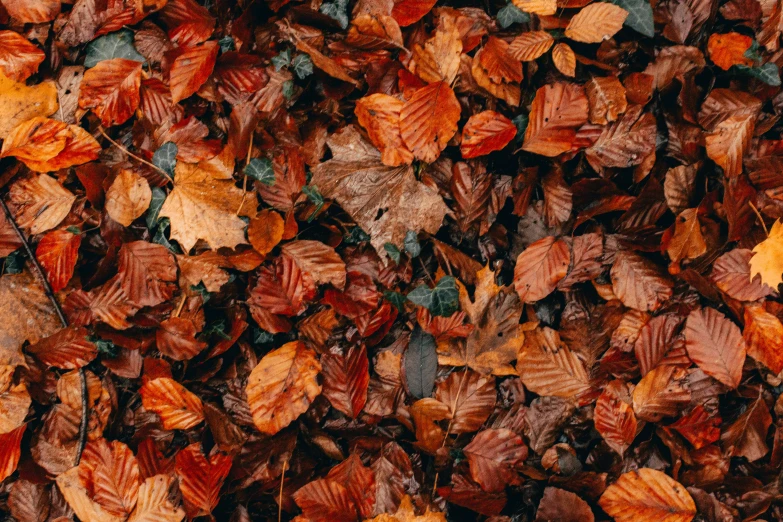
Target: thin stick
column 181, row 304
column 132, row 155
column 280, row 499
column 758, row 214
column 39, row 273
column 244, row 179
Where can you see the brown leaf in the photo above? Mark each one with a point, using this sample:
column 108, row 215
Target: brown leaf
column 763, row 336
column 439, row 58
column 614, row 417
column 563, row 506
column 731, row 273
column 201, row 479
column 19, row 59
column 470, row 399
column 57, row 252
column 346, row 377
column 367, row 189
column 379, row 114
column 317, row 260
column 178, row 408
column 128, row 197
column 492, row 456
column 564, row 59
column 715, row 344
column 638, row 282
column 746, row 436
column 607, row 99
column 540, row 267
column 661, row 393
column 548, row 367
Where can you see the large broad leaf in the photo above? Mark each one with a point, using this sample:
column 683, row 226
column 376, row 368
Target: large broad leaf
column 10, row 451
column 420, row 364
column 731, row 273
column 33, row 11
column 379, row 114
column 557, row 111
column 530, row 45
column 46, row 145
column 438, row 60
column 282, row 386
column 114, row 474
column 360, row 482
column 68, row 349
column 716, row 345
column 486, row 132
column 429, row 120
column 470, row 398
column 640, row 16
column 625, row 143
column 205, row 204
column 385, row 201
column 767, row 260
column 178, row 408
column 540, row 267
column 661, row 393
column 648, row 495
column 26, row 312
column 19, row 59
column 128, row 197
column 326, row 499
column 111, row 90
column 492, row 456
column 19, row 103
column 726, row 145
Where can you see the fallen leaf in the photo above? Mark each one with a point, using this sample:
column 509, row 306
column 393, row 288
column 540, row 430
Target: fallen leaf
column 128, row 197
column 647, row 495
column 428, row 120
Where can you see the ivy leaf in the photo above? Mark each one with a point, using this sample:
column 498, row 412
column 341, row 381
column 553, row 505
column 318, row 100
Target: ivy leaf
column 520, row 122
column 302, row 66
column 156, row 202
column 443, row 300
column 260, row 169
column 165, row 158
column 283, row 59
column 14, row 263
column 767, row 73
column 394, row 252
column 395, row 298
column 640, row 16
column 411, row 243
column 510, row 15
column 315, row 198
column 114, row 45
column 337, row 10
column 227, row 44
column 160, row 236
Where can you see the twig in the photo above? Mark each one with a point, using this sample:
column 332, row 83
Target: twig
column 132, row 155
column 280, row 500
column 244, row 179
column 758, row 214
column 41, row 276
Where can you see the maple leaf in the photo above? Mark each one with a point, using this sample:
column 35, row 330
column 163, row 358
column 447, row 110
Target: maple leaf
column 205, row 204
column 767, row 260
column 365, row 188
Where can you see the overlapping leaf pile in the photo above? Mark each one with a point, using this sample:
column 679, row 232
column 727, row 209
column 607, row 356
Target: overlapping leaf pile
column 391, row 260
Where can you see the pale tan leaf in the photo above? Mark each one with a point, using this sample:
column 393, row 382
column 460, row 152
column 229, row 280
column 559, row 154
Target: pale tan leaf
column 597, row 22
column 648, row 495
column 128, row 197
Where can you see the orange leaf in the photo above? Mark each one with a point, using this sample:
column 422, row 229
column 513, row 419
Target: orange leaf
column 128, row 197
column 438, row 60
column 727, row 144
column 647, row 495
column 557, row 110
column 764, row 337
column 39, row 202
column 265, row 231
column 67, row 349
column 177, row 408
column 493, row 455
column 57, row 252
column 731, row 273
column 112, row 471
column 547, row 366
column 282, row 386
column 33, row 11
column 486, row 132
column 531, row 45
column 19, row 59
column 379, row 114
column 614, row 418
column 538, row 7
column 148, row 272
column 46, row 145
column 326, row 499
column 564, row 59
column 540, row 267
column 10, row 451
column 408, row 12
column 661, row 393
column 191, row 68
column 200, row 479
column 607, row 99
column 639, row 283
column 716, row 345
column 729, row 49
column 429, row 120
column 317, row 260
column 111, row 90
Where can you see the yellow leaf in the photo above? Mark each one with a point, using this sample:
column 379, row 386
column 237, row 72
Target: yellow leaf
column 204, row 205
column 406, row 513
column 564, row 59
column 19, row 103
column 539, row 7
column 597, row 22
column 768, row 258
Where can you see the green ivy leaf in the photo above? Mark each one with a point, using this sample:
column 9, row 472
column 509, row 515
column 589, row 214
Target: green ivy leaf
column 521, row 122
column 315, row 197
column 767, row 73
column 262, row 336
column 160, row 236
column 14, row 263
column 165, row 158
column 443, row 300
column 411, row 244
column 395, row 298
column 394, row 252
column 227, row 44
column 640, row 16
column 337, row 10
column 283, row 59
column 288, row 89
column 156, row 203
column 510, row 15
column 302, row 66
column 355, row 236
column 114, row 45
column 260, row 169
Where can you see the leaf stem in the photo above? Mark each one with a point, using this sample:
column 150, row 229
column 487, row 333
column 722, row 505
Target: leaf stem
column 132, row 155
column 758, row 214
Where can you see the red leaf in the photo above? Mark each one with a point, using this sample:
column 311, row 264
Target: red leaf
column 346, row 377
column 201, row 479
column 57, row 252
column 190, row 68
column 19, row 59
column 111, row 90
